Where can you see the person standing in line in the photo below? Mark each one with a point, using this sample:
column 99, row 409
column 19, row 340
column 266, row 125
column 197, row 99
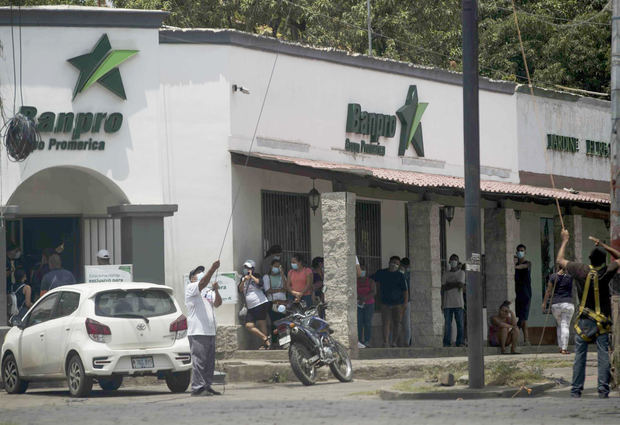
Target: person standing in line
column 562, row 306
column 595, row 277
column 251, row 287
column 300, row 281
column 57, row 276
column 393, row 295
column 366, row 291
column 23, row 293
column 406, row 334
column 452, row 286
column 103, row 257
column 200, row 302
column 41, row 270
column 274, row 285
column 318, row 276
column 273, row 253
column 523, row 290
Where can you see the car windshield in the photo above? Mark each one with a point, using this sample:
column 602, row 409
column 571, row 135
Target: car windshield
column 138, row 303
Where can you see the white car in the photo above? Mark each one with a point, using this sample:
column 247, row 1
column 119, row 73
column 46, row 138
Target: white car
column 99, row 332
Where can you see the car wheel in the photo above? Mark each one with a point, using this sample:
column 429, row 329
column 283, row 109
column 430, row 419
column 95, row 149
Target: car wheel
column 178, row 381
column 13, row 384
column 111, row 383
column 80, row 385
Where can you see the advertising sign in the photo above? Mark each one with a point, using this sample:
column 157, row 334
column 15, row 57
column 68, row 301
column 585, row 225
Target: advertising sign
column 108, row 273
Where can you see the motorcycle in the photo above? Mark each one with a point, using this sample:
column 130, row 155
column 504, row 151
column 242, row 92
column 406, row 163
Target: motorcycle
column 310, row 344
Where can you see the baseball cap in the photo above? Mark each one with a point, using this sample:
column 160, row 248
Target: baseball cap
column 249, row 264
column 103, row 253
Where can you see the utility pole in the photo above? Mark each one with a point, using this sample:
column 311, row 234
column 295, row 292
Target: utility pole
column 471, row 133
column 369, row 29
column 614, row 213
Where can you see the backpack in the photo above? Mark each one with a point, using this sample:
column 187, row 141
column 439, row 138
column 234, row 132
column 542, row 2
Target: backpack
column 13, row 308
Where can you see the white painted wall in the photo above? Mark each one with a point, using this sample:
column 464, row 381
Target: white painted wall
column 584, row 119
column 132, row 155
column 307, row 104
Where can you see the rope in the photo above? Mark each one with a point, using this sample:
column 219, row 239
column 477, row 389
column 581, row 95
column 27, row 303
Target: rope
column 557, row 202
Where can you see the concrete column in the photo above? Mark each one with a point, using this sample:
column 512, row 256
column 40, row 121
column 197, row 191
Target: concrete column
column 142, row 239
column 426, row 315
column 501, row 236
column 338, row 212
column 574, row 249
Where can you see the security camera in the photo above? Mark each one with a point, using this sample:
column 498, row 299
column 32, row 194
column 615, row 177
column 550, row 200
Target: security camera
column 240, row 88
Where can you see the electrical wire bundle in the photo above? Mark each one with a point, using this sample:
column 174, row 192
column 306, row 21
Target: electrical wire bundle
column 20, row 137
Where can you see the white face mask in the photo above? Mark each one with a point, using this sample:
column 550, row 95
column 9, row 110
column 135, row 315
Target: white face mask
column 199, row 276
column 453, row 264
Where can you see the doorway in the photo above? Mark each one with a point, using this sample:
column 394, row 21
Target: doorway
column 51, row 232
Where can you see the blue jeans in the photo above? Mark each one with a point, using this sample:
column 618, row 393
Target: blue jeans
column 579, row 368
column 364, row 323
column 448, row 313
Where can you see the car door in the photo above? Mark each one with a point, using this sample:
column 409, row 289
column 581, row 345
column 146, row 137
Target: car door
column 33, row 338
column 58, row 331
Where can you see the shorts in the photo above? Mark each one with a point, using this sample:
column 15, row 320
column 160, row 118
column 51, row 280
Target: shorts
column 257, row 313
column 522, row 309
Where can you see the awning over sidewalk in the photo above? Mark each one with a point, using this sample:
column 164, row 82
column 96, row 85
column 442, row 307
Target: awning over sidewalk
column 437, row 181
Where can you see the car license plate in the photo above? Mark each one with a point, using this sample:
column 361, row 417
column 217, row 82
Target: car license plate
column 142, row 362
column 286, row 339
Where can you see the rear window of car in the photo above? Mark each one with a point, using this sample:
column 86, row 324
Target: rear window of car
column 134, row 302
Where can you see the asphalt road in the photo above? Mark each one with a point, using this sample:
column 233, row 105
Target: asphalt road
column 291, row 403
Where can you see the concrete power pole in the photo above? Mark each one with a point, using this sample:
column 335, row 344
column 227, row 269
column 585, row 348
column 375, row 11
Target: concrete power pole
column 473, row 240
column 614, row 216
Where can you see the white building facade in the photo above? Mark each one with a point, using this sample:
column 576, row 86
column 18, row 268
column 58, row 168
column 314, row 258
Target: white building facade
column 214, row 139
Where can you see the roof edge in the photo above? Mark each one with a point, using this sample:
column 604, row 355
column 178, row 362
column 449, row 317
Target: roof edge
column 81, row 16
column 268, row 44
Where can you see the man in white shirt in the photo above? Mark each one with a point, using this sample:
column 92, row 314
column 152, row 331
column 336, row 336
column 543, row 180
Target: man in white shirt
column 201, row 327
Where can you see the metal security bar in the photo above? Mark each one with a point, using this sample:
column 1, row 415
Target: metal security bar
column 286, row 222
column 368, row 234
column 101, row 233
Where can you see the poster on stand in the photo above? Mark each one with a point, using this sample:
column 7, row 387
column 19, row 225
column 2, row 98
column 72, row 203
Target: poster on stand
column 108, row 273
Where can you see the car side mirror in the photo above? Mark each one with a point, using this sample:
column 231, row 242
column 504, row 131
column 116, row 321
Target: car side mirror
column 16, row 321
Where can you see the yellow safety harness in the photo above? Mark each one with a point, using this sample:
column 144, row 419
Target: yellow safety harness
column 603, row 323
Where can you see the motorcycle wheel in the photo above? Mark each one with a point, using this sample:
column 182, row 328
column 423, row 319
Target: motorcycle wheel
column 342, row 367
column 298, row 356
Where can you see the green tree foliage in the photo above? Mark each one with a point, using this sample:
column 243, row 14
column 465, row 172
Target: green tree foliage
column 566, row 42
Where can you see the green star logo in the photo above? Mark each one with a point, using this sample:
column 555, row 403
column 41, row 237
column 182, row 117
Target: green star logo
column 410, row 115
column 101, row 66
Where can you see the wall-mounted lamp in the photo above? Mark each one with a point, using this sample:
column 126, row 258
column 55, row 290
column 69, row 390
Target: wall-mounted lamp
column 449, row 213
column 314, row 197
column 518, row 214
column 242, row 89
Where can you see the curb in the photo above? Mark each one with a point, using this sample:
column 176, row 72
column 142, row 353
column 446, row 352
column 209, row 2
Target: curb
column 536, row 390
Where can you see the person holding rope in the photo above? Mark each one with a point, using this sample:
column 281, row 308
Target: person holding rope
column 201, row 327
column 593, row 323
column 560, row 291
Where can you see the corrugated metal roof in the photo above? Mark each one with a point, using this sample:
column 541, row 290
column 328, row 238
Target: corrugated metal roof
column 422, row 180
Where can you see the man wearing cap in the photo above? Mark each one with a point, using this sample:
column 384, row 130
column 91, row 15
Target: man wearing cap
column 201, row 327
column 103, row 257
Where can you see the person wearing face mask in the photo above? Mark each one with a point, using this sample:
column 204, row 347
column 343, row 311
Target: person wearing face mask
column 366, row 291
column 393, row 295
column 452, row 285
column 273, row 253
column 274, row 285
column 14, row 262
column 251, row 286
column 406, row 334
column 200, row 302
column 300, row 281
column 523, row 291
